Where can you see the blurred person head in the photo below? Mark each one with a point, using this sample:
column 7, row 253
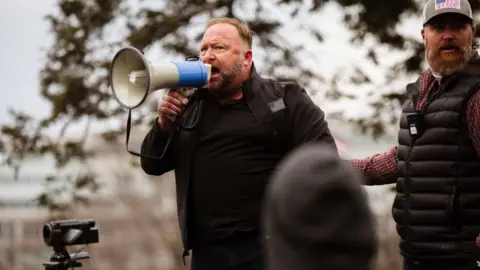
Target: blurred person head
column 448, row 35
column 227, row 46
column 317, row 214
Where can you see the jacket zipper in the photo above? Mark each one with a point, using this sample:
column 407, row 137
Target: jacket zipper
column 407, row 184
column 254, row 115
column 186, row 252
column 429, row 98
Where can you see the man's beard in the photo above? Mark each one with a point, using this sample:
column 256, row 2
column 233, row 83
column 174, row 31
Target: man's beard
column 447, row 67
column 224, row 89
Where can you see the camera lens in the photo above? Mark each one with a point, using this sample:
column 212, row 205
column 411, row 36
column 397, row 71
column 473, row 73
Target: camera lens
column 47, row 233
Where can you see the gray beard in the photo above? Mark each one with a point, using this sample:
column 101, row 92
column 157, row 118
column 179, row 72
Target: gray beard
column 223, row 90
column 450, row 67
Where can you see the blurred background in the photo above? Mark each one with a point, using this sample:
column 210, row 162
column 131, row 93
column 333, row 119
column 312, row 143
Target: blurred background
column 62, row 140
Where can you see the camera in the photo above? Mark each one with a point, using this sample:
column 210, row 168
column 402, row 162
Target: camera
column 60, row 234
column 70, row 233
column 416, row 124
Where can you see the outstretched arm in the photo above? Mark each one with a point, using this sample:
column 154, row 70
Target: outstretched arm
column 379, row 169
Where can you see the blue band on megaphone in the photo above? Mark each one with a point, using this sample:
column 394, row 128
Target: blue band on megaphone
column 192, row 73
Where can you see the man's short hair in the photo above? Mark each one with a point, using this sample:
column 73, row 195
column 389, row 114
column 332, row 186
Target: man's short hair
column 242, row 28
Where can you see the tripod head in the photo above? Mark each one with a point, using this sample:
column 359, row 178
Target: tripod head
column 60, row 234
column 62, row 260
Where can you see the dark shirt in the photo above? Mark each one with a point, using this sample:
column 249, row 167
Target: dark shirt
column 233, row 160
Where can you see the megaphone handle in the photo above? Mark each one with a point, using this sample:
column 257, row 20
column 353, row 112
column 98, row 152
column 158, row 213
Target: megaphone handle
column 129, row 123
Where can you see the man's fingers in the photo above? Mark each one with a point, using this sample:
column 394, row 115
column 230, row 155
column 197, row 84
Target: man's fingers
column 173, row 100
column 176, row 95
column 168, row 111
column 169, row 107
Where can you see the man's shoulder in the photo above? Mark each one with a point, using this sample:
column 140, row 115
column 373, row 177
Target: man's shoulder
column 276, row 81
column 280, row 87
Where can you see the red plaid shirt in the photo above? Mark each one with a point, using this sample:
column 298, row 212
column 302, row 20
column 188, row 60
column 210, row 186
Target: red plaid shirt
column 382, row 168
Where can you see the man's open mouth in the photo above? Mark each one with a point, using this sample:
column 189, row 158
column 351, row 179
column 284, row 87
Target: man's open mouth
column 449, row 48
column 215, row 71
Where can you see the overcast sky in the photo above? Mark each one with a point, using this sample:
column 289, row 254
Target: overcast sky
column 23, row 34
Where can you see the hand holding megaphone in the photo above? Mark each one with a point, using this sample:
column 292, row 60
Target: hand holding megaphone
column 169, row 107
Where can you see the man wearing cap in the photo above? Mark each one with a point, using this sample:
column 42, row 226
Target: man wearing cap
column 436, row 165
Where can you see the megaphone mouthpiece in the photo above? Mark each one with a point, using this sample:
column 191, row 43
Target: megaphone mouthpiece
column 132, row 77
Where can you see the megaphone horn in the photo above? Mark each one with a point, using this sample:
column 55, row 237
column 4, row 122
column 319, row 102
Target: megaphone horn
column 133, row 78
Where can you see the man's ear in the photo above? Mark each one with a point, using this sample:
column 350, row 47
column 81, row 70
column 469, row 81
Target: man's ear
column 247, row 56
column 423, row 33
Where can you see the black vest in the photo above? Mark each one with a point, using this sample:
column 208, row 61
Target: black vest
column 437, row 205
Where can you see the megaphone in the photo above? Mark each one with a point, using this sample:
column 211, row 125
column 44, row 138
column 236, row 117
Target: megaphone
column 133, row 78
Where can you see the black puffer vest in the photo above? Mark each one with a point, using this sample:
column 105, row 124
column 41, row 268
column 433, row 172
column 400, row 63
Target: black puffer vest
column 437, row 206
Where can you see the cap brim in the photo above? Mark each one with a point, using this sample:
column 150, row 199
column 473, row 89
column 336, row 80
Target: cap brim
column 450, row 11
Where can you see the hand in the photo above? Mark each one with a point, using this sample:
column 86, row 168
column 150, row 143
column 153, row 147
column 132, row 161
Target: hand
column 169, row 107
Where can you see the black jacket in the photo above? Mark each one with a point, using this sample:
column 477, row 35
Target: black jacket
column 436, row 208
column 304, row 122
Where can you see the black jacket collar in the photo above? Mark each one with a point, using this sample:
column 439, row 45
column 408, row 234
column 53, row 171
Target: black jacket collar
column 251, row 85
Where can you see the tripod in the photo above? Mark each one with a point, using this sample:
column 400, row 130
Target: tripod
column 62, row 260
